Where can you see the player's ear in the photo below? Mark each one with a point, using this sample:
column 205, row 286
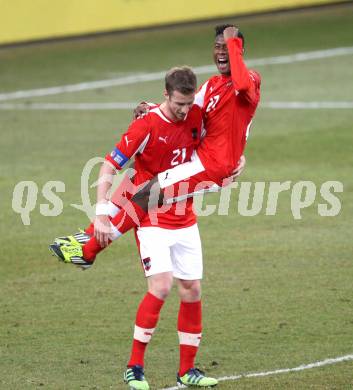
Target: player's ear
column 166, row 94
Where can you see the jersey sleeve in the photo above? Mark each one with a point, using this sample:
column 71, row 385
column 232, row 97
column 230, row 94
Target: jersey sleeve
column 246, row 82
column 133, row 141
column 200, row 95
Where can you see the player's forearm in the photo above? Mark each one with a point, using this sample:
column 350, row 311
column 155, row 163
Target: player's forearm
column 105, row 180
column 240, row 74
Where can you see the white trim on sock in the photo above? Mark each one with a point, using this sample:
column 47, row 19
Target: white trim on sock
column 115, row 232
column 192, row 339
column 143, row 334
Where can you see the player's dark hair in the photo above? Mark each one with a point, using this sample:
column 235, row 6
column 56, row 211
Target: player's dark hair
column 181, row 79
column 221, row 27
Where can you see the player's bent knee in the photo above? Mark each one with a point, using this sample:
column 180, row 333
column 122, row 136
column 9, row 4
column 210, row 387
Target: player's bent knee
column 149, row 195
column 141, row 198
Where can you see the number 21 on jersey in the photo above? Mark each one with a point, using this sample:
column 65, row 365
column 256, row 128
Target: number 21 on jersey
column 179, row 156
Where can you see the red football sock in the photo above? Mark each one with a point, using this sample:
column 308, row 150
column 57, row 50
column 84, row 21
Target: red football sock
column 129, row 218
column 146, row 321
column 125, row 220
column 90, row 229
column 189, row 331
column 92, row 248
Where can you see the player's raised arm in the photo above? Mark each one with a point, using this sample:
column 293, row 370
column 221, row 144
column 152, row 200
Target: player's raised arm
column 246, row 82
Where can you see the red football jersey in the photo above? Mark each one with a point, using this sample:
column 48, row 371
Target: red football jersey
column 158, row 144
column 228, row 104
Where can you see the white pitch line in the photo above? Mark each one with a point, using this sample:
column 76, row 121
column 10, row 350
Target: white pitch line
column 302, row 367
column 137, row 78
column 69, row 106
column 132, row 105
column 307, row 105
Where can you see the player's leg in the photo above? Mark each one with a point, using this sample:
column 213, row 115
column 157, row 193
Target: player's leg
column 189, row 323
column 82, row 247
column 187, row 269
column 146, row 321
column 119, row 197
column 148, row 197
column 154, row 249
column 118, row 217
column 69, row 249
column 153, row 193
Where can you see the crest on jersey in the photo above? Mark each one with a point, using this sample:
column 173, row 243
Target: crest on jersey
column 147, row 263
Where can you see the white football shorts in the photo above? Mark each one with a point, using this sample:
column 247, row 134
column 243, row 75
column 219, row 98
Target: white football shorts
column 171, row 250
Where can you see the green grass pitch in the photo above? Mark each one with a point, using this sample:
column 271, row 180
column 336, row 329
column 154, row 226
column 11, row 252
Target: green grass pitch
column 277, row 291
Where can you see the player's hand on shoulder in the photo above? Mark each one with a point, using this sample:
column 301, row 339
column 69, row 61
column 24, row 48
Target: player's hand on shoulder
column 230, row 32
column 141, row 110
column 102, row 230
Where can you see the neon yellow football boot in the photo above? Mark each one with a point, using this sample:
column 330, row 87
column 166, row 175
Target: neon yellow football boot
column 134, row 377
column 196, row 378
column 70, row 253
column 81, row 237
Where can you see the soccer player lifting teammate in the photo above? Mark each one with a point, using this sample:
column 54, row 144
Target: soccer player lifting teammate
column 165, row 137
column 228, row 102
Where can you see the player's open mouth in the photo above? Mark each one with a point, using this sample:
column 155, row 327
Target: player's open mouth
column 222, row 63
